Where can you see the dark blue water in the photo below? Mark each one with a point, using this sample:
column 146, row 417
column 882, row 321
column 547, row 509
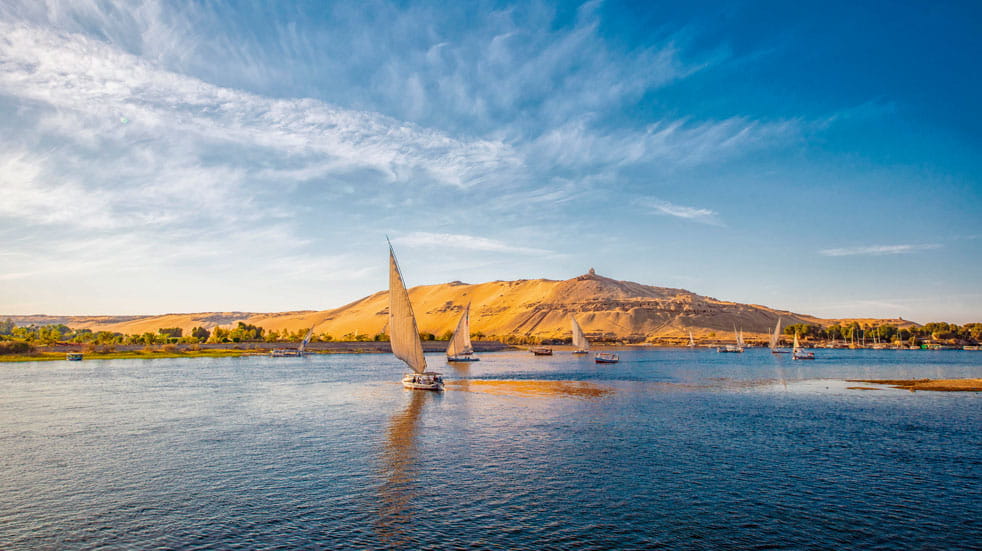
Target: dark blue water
column 674, row 449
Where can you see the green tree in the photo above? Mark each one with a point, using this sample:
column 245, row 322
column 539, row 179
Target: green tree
column 200, row 333
column 172, row 332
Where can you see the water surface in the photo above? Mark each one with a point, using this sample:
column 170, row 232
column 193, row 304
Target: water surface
column 684, row 449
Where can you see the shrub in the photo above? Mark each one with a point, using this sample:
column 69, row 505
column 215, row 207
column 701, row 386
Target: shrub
column 15, row 347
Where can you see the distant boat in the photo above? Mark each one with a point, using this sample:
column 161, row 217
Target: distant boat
column 692, row 342
column 798, row 353
column 404, row 334
column 775, row 339
column 606, row 358
column 541, row 351
column 74, row 356
column 460, row 348
column 733, row 348
column 291, row 352
column 579, row 339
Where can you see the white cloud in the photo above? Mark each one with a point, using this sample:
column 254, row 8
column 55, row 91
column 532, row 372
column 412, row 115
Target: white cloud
column 878, row 250
column 464, row 242
column 695, row 214
column 78, row 73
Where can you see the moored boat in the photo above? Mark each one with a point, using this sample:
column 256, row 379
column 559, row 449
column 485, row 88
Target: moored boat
column 293, row 352
column 74, row 356
column 606, row 358
column 541, row 351
column 733, row 348
column 404, row 334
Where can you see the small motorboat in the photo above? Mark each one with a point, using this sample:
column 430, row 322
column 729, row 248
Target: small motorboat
column 606, row 358
column 423, row 381
column 74, row 356
column 541, row 351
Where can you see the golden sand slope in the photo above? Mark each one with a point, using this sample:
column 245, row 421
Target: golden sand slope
column 541, row 308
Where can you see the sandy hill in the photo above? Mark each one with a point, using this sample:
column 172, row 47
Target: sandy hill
column 541, row 308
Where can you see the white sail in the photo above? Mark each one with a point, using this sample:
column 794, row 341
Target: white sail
column 403, row 333
column 579, row 339
column 692, row 342
column 739, row 336
column 777, row 334
column 460, row 343
column 795, row 346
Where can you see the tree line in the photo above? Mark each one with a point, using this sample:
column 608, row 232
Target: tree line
column 939, row 331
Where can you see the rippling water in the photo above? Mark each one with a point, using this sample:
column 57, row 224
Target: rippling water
column 684, row 449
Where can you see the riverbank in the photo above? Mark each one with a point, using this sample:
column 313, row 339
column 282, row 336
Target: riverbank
column 937, row 385
column 224, row 350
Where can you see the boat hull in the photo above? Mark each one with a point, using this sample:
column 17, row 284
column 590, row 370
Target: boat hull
column 457, row 359
column 541, row 351
column 606, row 358
column 423, row 381
column 806, row 356
column 581, row 352
column 730, row 349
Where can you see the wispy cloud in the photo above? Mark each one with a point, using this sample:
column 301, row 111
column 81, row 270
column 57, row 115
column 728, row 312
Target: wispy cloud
column 695, row 214
column 463, row 242
column 878, row 250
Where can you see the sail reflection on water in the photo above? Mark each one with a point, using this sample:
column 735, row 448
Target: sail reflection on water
column 398, row 466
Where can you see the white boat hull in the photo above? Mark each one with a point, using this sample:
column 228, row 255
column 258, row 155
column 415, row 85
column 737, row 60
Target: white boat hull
column 423, row 381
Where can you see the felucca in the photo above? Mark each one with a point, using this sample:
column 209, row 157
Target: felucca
column 460, row 348
column 404, row 334
column 775, row 339
column 738, row 347
column 797, row 353
column 579, row 339
column 692, row 341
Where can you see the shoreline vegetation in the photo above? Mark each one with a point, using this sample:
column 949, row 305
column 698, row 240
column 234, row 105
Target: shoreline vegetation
column 218, row 350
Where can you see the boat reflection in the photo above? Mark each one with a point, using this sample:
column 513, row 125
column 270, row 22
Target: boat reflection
column 398, row 487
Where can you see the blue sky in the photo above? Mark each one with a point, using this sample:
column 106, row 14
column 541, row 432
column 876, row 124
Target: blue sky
column 198, row 156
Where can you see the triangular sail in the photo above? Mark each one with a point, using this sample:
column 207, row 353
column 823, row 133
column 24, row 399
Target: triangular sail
column 777, row 334
column 795, row 346
column 306, row 339
column 579, row 339
column 692, row 341
column 460, row 343
column 403, row 333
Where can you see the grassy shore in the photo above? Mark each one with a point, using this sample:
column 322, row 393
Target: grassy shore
column 125, row 355
column 137, row 352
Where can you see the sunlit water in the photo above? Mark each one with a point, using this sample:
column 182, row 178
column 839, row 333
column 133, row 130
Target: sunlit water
column 685, row 449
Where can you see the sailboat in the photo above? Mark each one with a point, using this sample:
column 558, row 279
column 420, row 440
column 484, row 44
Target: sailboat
column 579, row 339
column 738, row 347
column 692, row 341
column 798, row 353
column 289, row 352
column 776, row 338
column 460, row 349
column 404, row 335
